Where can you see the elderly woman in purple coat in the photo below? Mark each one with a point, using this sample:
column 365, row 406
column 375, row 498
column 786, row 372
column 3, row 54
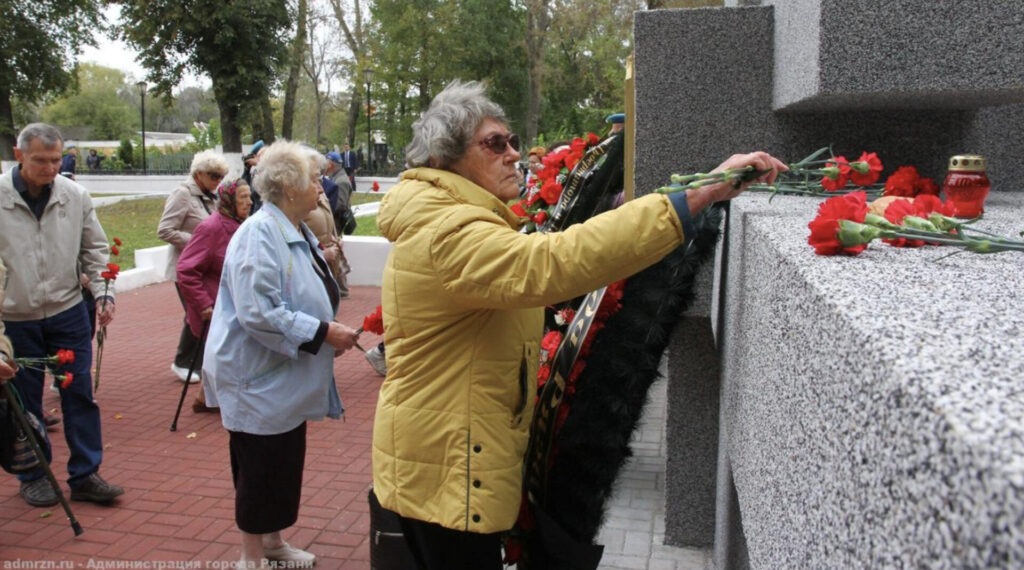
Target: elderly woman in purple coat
column 202, row 259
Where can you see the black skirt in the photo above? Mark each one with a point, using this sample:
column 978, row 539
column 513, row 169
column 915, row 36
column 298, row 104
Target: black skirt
column 267, row 473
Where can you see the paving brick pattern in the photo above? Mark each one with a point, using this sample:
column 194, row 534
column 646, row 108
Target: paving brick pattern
column 179, row 501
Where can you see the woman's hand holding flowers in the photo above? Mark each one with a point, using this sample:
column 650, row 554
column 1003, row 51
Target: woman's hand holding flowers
column 341, row 337
column 738, row 172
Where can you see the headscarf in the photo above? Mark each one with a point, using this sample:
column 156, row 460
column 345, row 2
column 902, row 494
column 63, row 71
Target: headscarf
column 227, row 203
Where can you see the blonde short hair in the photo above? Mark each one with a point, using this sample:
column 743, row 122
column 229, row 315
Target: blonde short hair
column 209, row 161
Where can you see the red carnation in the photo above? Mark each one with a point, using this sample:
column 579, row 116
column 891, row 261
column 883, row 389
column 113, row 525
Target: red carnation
column 374, row 322
column 106, row 275
column 65, row 356
column 866, row 170
column 902, row 182
column 117, row 241
column 114, row 250
column 895, row 213
column 114, row 268
column 540, row 217
column 66, row 380
column 926, row 187
column 825, row 228
column 518, row 209
column 376, row 187
column 593, row 139
column 833, row 185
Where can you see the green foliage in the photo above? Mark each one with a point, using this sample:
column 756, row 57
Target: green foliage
column 206, row 136
column 125, row 153
column 95, row 104
column 39, row 42
column 240, row 45
column 421, row 45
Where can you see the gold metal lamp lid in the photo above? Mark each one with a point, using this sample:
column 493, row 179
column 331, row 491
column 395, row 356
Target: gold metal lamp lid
column 967, row 162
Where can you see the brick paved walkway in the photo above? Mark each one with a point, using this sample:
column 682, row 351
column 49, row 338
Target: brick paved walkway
column 179, row 502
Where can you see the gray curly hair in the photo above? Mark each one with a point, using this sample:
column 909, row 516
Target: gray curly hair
column 443, row 132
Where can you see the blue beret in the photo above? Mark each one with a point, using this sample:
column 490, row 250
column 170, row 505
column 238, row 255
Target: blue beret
column 334, row 156
column 616, row 118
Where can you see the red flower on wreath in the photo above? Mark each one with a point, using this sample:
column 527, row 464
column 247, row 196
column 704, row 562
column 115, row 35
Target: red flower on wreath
column 825, row 228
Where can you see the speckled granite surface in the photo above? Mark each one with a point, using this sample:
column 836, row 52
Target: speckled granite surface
column 874, row 404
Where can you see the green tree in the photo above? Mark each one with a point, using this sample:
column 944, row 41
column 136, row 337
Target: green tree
column 39, row 46
column 585, row 64
column 96, row 105
column 240, row 45
column 420, row 46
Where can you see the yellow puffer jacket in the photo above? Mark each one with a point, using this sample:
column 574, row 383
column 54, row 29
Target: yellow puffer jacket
column 463, row 295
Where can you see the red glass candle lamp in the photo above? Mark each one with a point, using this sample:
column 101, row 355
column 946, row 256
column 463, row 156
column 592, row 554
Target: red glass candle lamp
column 966, row 185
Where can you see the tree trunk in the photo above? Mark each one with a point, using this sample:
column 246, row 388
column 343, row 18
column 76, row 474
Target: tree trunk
column 267, row 135
column 537, row 22
column 294, row 68
column 354, row 111
column 8, row 136
column 230, row 133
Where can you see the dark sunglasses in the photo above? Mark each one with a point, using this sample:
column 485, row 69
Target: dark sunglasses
column 498, row 143
column 215, row 176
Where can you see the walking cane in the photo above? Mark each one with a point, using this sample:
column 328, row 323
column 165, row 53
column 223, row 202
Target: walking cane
column 188, row 377
column 13, row 402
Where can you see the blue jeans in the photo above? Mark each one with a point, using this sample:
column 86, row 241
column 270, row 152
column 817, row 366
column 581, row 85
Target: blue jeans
column 71, row 330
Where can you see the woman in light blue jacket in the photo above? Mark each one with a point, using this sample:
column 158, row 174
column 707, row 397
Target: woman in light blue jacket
column 270, row 351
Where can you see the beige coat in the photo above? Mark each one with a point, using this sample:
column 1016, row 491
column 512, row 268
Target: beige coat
column 463, row 295
column 5, row 343
column 43, row 256
column 186, row 206
column 321, row 223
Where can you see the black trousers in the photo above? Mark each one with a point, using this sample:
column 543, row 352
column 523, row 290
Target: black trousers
column 438, row 548
column 188, row 344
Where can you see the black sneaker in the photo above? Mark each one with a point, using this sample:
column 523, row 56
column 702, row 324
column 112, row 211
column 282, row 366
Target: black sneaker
column 96, row 490
column 38, row 493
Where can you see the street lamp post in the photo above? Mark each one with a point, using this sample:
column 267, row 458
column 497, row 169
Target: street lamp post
column 368, row 76
column 142, row 93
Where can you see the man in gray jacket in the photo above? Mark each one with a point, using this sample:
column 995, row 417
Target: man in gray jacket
column 48, row 229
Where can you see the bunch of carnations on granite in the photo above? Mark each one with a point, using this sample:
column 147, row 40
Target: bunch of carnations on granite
column 542, row 195
column 845, row 226
column 52, row 363
column 108, row 276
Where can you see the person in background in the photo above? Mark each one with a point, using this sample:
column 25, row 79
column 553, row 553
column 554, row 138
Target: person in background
column 68, row 163
column 187, row 206
column 350, row 161
column 618, row 122
column 49, row 235
column 7, row 366
column 321, row 223
column 344, row 219
column 92, row 162
column 270, row 352
column 535, row 165
column 463, row 295
column 202, row 261
column 251, row 161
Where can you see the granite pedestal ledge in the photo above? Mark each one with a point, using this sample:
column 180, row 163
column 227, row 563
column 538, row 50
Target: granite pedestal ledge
column 873, row 406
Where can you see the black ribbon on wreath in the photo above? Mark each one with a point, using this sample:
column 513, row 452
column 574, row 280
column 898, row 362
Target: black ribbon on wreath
column 570, row 474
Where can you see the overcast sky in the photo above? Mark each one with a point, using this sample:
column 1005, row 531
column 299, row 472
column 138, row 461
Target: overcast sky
column 117, row 54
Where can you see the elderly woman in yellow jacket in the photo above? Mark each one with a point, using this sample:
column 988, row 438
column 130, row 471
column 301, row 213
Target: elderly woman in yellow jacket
column 463, row 295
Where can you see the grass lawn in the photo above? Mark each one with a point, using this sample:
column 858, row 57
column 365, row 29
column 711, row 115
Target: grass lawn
column 135, row 221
